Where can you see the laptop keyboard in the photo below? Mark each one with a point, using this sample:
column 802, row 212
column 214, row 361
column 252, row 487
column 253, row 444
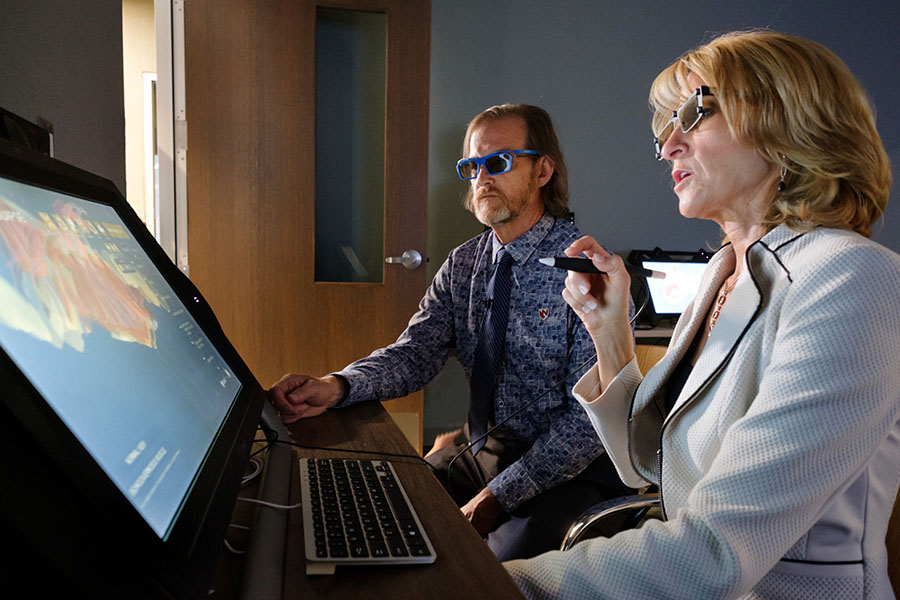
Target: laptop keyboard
column 357, row 512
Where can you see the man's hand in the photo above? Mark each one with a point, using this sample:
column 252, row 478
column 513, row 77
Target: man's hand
column 482, row 511
column 303, row 396
column 443, row 440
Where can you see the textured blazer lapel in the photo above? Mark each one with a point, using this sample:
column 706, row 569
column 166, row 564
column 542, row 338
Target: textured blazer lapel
column 737, row 314
column 743, row 305
column 646, row 423
column 741, row 308
column 691, row 321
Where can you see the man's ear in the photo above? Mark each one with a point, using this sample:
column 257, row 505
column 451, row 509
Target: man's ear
column 547, row 168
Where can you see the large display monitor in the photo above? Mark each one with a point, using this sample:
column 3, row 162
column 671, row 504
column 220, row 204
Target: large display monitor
column 126, row 416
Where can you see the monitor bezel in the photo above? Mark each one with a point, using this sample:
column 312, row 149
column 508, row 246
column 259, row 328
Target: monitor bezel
column 119, row 540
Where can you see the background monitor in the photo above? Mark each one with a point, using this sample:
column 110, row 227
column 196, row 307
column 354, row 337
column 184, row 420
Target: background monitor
column 126, row 417
column 670, row 296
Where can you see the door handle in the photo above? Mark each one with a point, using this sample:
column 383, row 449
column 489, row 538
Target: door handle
column 411, row 259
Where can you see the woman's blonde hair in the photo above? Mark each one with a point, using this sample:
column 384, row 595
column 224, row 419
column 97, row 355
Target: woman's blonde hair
column 803, row 109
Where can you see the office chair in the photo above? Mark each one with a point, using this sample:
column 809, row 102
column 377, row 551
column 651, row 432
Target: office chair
column 631, row 511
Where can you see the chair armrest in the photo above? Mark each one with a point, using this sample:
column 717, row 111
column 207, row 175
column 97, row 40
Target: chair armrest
column 604, row 509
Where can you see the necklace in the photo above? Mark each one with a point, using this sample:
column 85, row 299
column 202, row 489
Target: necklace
column 720, row 302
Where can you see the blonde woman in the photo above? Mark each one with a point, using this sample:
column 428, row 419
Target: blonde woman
column 771, row 425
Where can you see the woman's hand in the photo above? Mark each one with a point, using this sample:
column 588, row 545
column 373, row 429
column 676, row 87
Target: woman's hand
column 601, row 301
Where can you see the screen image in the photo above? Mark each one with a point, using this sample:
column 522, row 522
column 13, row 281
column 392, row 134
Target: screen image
column 92, row 323
column 672, row 295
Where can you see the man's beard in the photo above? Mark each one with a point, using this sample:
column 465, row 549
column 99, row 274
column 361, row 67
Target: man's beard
column 490, row 215
column 501, row 209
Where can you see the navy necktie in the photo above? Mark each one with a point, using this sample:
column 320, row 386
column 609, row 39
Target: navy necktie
column 489, row 350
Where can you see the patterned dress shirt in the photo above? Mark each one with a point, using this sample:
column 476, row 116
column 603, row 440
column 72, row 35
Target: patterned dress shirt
column 545, row 344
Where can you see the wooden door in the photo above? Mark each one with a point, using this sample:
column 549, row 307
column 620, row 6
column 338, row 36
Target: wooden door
column 250, row 104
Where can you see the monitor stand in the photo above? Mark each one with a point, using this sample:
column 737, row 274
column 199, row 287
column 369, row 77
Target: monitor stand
column 264, row 568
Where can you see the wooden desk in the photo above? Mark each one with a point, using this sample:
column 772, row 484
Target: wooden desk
column 465, row 567
column 661, row 333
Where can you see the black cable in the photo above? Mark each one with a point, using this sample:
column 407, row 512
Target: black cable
column 641, row 309
column 261, row 450
column 353, row 451
column 272, row 438
column 528, row 405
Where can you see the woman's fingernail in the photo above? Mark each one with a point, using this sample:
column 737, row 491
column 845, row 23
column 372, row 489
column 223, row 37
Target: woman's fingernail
column 591, row 304
column 583, row 289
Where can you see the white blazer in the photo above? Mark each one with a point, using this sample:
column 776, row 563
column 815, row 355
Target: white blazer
column 780, row 461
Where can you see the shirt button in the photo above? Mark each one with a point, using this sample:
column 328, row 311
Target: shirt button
column 500, row 403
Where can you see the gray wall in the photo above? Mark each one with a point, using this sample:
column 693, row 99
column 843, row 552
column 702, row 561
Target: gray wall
column 590, row 64
column 62, row 61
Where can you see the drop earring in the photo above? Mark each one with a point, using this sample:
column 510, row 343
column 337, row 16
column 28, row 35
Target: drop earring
column 781, row 185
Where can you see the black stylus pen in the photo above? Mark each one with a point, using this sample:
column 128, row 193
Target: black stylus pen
column 585, row 265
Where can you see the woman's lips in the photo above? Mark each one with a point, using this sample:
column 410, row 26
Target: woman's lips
column 679, row 176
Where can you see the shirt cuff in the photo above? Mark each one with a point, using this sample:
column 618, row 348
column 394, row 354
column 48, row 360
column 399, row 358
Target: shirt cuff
column 513, row 487
column 357, row 388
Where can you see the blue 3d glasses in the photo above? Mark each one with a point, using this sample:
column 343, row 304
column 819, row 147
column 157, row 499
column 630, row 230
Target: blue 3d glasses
column 494, row 164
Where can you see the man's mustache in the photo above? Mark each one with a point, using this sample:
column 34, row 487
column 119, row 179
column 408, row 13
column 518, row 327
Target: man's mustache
column 486, row 192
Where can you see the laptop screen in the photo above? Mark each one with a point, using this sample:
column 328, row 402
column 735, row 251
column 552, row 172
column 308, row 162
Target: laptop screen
column 670, row 296
column 91, row 322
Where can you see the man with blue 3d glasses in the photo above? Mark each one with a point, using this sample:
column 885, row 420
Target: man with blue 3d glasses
column 528, row 461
